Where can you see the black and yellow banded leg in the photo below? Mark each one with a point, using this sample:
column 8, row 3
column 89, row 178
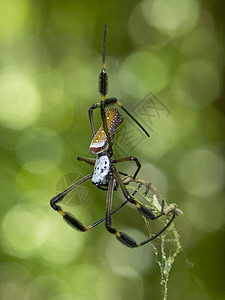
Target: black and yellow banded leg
column 130, row 158
column 116, row 209
column 121, row 236
column 103, row 87
column 112, row 213
column 69, row 218
column 145, row 211
column 131, row 243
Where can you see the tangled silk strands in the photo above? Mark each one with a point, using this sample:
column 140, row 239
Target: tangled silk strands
column 169, row 246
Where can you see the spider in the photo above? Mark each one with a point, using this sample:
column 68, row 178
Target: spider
column 105, row 175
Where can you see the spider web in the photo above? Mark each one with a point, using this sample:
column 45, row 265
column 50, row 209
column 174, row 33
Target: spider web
column 167, row 246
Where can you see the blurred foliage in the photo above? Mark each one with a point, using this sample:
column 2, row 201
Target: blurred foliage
column 50, row 59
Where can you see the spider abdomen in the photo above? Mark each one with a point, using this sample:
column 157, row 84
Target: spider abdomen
column 100, row 142
column 101, row 170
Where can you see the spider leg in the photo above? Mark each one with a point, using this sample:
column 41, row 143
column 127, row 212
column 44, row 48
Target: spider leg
column 108, row 219
column 146, row 212
column 130, row 158
column 157, row 234
column 112, row 213
column 103, row 86
column 116, row 209
column 111, row 101
column 90, row 161
column 70, row 219
column 90, row 113
column 139, row 186
column 103, row 115
column 116, row 101
column 121, row 236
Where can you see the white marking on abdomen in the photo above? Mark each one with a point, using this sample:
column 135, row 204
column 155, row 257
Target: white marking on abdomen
column 101, row 170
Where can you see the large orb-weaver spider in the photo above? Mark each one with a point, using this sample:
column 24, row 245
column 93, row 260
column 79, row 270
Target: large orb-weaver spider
column 105, row 175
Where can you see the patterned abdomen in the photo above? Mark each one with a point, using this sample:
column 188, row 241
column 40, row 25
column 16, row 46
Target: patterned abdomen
column 99, row 142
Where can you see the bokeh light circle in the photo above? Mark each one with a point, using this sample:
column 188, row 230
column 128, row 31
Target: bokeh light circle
column 48, row 286
column 25, row 228
column 39, row 150
column 196, row 84
column 201, row 173
column 143, row 72
column 13, row 15
column 65, row 239
column 136, row 285
column 203, row 214
column 171, row 16
column 85, row 276
column 13, row 279
column 19, row 100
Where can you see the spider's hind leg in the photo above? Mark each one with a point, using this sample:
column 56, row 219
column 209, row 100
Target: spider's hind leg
column 124, row 238
column 145, row 211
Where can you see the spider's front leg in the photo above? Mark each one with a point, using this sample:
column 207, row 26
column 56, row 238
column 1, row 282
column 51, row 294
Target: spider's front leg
column 69, row 218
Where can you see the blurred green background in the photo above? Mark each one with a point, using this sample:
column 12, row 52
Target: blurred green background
column 50, row 59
